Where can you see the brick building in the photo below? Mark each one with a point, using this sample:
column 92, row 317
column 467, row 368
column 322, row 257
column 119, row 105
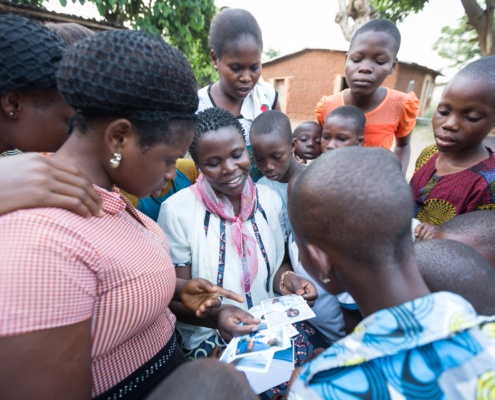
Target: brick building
column 303, row 77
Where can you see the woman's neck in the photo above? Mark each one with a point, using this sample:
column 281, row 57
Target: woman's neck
column 236, row 203
column 225, row 101
column 294, row 168
column 452, row 162
column 235, row 200
column 82, row 151
column 389, row 287
column 366, row 102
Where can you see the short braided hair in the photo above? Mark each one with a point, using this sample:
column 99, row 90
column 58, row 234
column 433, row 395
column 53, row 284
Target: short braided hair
column 30, row 54
column 212, row 119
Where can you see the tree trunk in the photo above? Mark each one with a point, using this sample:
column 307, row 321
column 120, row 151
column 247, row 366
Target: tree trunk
column 482, row 22
column 360, row 11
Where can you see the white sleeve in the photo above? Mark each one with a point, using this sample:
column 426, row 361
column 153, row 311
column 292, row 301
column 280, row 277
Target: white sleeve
column 173, row 222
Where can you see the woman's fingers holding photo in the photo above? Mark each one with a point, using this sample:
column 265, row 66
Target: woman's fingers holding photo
column 233, row 321
column 301, row 286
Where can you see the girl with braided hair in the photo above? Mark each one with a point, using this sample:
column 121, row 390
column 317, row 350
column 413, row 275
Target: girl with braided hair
column 227, row 229
column 84, row 301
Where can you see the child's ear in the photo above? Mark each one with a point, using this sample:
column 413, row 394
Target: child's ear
column 293, row 145
column 214, row 59
column 394, row 66
column 319, row 258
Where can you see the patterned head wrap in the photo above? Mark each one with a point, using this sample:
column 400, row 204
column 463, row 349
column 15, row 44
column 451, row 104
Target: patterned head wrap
column 128, row 73
column 30, row 54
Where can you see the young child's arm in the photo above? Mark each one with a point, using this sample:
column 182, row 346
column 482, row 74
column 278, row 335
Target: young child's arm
column 425, row 231
column 407, row 122
column 403, row 150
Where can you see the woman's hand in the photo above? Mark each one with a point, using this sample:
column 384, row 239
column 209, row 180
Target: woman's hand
column 233, row 321
column 425, row 231
column 32, row 180
column 201, row 296
column 295, row 284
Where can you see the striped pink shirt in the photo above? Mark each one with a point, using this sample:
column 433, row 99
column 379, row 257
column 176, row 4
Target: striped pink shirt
column 58, row 269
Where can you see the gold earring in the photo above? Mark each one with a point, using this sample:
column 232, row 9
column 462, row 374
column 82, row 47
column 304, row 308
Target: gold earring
column 323, row 279
column 115, row 161
column 215, row 68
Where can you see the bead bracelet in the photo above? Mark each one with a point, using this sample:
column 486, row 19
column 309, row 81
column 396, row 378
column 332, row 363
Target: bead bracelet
column 282, row 278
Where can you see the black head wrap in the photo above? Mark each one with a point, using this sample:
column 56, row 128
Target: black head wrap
column 128, row 73
column 29, row 54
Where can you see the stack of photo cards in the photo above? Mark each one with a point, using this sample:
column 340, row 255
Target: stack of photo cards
column 267, row 355
column 284, row 310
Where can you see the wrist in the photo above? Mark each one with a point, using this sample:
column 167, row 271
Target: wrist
column 283, row 281
column 179, row 286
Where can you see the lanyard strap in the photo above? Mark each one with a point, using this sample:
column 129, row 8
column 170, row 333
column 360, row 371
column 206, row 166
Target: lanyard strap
column 221, row 257
column 222, row 248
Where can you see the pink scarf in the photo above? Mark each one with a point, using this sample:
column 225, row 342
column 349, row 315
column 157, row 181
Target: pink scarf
column 244, row 242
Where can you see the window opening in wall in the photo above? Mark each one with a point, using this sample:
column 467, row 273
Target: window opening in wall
column 280, row 87
column 410, row 87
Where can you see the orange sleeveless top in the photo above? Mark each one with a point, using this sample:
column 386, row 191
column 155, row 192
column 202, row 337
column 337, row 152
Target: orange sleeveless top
column 394, row 117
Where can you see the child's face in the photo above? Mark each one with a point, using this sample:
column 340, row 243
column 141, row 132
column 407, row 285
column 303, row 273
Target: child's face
column 307, row 144
column 273, row 155
column 371, row 58
column 239, row 68
column 339, row 132
column 224, row 160
column 464, row 116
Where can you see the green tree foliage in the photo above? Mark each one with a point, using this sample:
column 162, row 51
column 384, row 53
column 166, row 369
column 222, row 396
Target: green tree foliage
column 473, row 36
column 36, row 3
column 269, row 54
column 479, row 22
column 459, row 44
column 397, row 10
column 183, row 23
column 361, row 11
